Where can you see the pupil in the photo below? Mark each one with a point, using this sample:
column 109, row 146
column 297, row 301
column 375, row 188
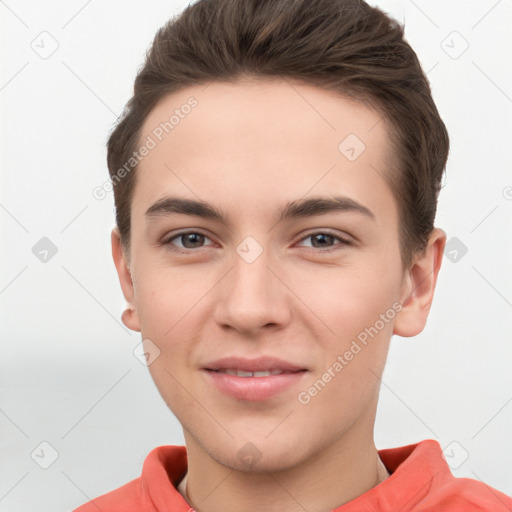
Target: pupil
column 322, row 237
column 194, row 238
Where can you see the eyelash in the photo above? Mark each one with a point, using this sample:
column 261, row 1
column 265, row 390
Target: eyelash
column 343, row 242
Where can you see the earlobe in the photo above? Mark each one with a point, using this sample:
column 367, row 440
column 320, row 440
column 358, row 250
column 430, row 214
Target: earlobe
column 420, row 283
column 130, row 317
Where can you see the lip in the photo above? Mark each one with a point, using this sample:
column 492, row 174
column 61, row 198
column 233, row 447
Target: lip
column 253, row 388
column 253, row 365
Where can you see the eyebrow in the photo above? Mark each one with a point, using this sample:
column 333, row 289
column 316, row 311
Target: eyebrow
column 300, row 208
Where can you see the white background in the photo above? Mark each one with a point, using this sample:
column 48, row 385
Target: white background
column 67, row 372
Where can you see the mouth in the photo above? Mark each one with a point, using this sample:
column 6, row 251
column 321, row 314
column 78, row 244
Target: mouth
column 244, row 373
column 258, row 379
column 262, row 366
column 258, row 386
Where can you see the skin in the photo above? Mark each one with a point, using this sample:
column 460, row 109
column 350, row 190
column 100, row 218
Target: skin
column 248, row 148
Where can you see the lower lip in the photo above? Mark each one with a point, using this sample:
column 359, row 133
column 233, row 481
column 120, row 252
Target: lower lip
column 253, row 388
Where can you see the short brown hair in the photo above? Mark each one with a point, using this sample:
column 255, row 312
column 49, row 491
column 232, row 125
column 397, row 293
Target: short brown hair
column 341, row 45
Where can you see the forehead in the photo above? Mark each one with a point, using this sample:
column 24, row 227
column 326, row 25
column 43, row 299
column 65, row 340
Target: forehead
column 262, row 139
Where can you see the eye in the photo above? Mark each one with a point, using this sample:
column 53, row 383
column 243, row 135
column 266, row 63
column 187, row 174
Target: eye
column 189, row 240
column 323, row 240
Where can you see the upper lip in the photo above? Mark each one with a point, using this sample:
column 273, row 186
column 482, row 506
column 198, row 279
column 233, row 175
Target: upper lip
column 253, row 365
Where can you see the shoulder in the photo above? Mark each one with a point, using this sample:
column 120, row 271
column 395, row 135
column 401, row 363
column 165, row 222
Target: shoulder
column 153, row 490
column 450, row 493
column 127, row 498
column 422, row 478
column 469, row 495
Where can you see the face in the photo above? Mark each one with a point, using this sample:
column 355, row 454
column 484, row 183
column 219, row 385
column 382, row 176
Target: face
column 292, row 255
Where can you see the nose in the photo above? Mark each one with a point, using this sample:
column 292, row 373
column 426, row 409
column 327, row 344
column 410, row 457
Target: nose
column 251, row 296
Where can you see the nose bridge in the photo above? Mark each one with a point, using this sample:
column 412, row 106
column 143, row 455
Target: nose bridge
column 251, row 295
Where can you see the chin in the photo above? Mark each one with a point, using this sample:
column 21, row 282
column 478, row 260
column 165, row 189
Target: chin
column 260, row 456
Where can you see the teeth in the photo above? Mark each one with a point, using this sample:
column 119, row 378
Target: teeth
column 265, row 373
column 243, row 373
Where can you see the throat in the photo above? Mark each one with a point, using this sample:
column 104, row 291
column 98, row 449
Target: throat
column 182, row 487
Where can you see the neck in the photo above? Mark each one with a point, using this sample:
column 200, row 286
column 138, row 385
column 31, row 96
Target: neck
column 342, row 472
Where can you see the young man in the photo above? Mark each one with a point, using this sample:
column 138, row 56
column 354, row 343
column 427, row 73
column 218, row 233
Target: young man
column 276, row 177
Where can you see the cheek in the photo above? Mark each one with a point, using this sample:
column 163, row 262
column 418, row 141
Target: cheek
column 352, row 364
column 357, row 307
column 166, row 306
column 166, row 298
column 174, row 387
column 342, row 301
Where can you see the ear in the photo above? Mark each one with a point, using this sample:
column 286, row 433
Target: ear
column 419, row 285
column 130, row 316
